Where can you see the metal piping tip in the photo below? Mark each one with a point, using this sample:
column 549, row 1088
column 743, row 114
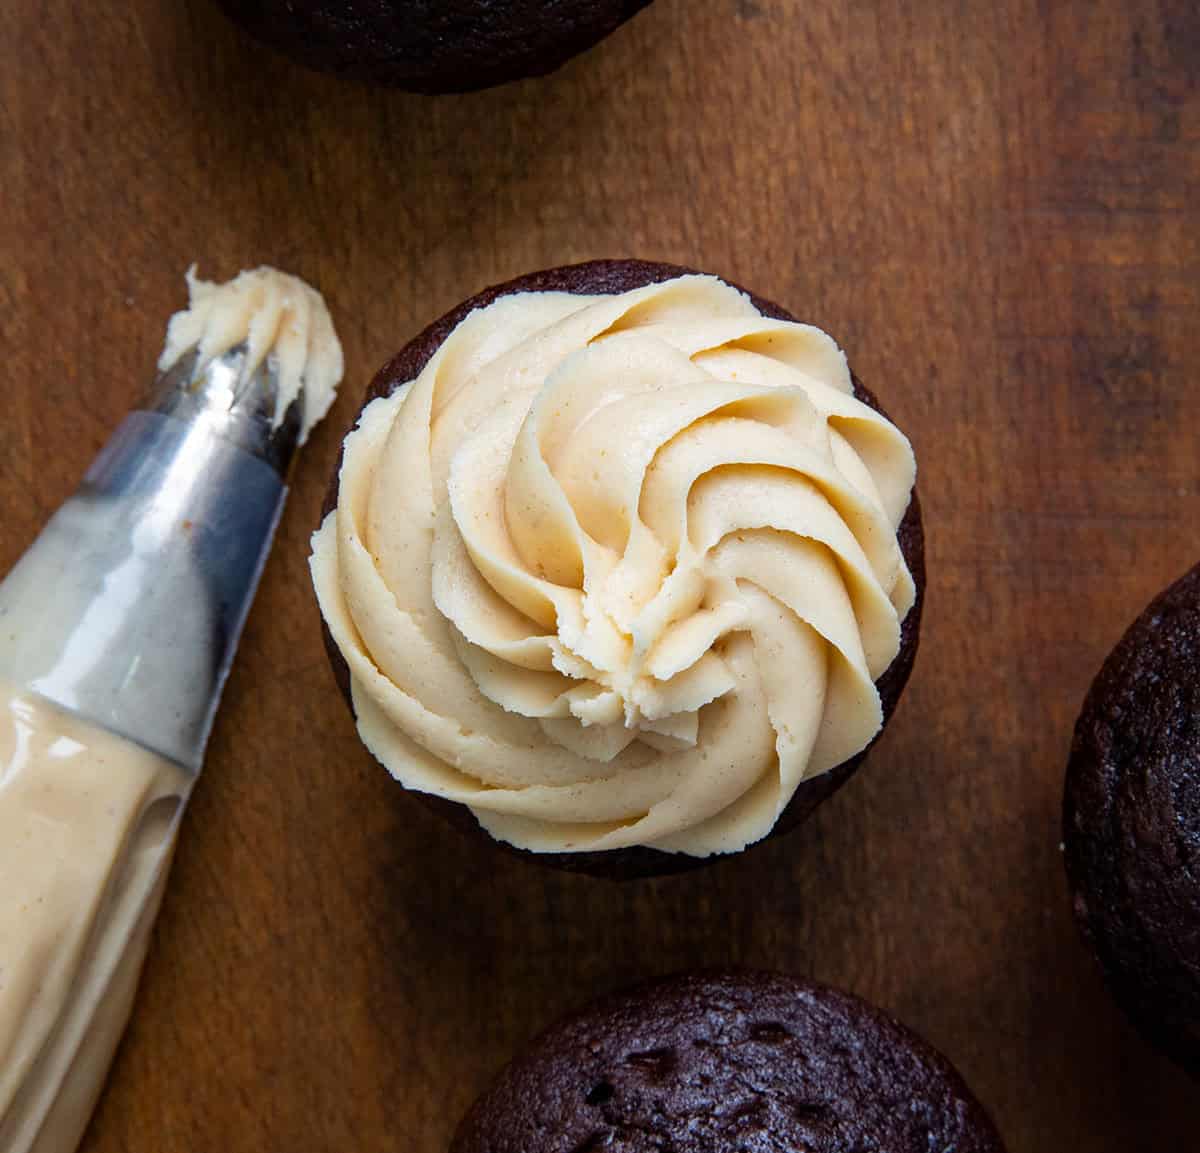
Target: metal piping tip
column 237, row 406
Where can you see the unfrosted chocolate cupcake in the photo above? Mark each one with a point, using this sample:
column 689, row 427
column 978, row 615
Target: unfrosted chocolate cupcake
column 1131, row 821
column 432, row 45
column 622, row 565
column 728, row 1061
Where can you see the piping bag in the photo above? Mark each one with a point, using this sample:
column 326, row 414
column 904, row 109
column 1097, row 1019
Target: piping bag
column 117, row 631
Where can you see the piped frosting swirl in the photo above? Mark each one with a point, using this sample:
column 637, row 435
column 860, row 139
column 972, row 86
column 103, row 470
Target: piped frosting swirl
column 619, row 570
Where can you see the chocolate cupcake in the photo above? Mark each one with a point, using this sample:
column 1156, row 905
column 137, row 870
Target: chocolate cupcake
column 622, row 565
column 423, row 46
column 728, row 1061
column 1131, row 821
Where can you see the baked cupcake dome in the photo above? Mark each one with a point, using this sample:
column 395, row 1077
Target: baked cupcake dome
column 614, row 278
column 438, row 46
column 1131, row 821
column 712, row 1062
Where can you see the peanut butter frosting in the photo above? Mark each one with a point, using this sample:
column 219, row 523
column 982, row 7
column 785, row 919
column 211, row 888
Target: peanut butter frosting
column 619, row 570
column 278, row 318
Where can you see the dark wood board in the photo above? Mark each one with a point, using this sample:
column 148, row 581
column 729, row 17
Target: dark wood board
column 995, row 206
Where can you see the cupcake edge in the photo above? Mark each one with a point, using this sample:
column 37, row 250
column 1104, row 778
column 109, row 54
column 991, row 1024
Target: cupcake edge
column 542, row 43
column 1114, row 790
column 656, row 1018
column 612, row 277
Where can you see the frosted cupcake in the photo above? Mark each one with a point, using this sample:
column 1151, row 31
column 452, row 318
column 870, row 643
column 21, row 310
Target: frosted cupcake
column 622, row 567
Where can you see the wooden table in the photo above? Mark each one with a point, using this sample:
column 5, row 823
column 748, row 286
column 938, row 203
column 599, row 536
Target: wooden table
column 994, row 206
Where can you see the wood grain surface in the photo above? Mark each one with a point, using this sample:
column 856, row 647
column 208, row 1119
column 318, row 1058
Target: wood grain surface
column 995, row 206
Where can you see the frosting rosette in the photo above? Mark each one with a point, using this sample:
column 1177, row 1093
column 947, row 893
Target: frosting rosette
column 619, row 570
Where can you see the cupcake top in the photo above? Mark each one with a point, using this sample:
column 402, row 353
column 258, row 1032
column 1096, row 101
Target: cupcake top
column 1131, row 820
column 707, row 1062
column 619, row 570
column 427, row 46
